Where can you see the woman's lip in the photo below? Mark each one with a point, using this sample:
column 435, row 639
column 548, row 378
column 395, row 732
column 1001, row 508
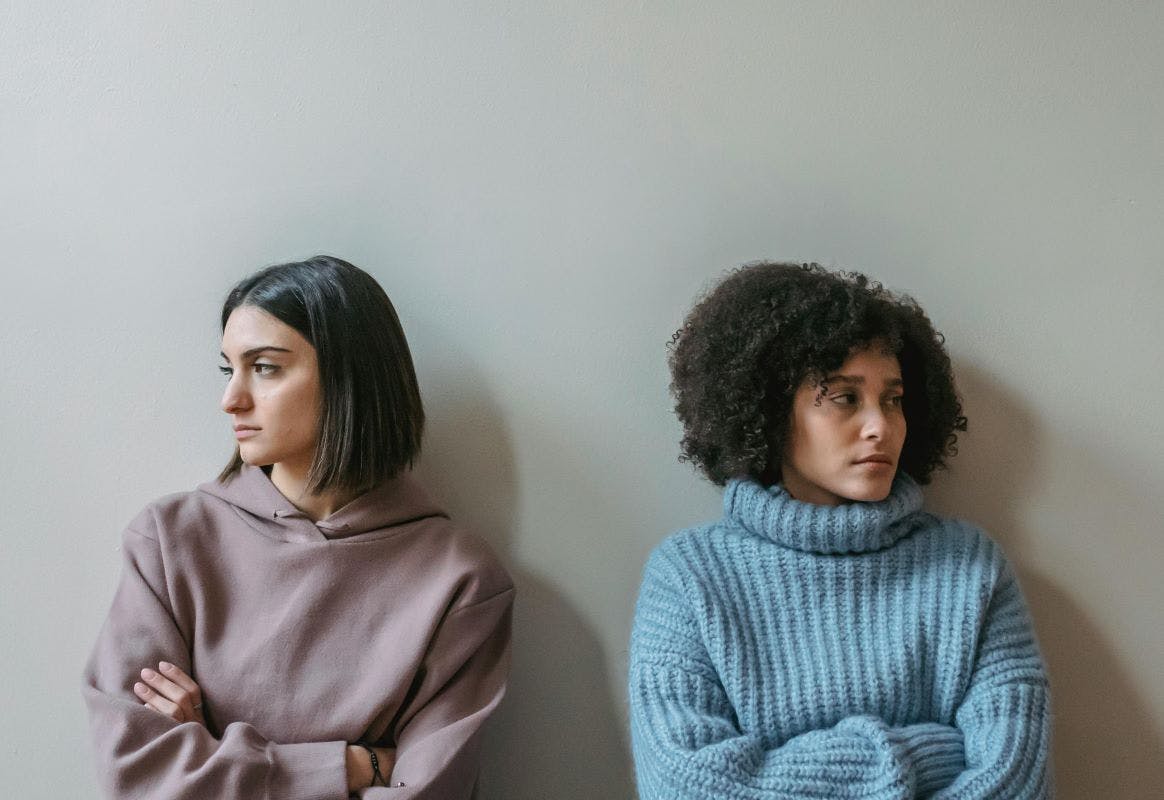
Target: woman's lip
column 245, row 433
column 880, row 461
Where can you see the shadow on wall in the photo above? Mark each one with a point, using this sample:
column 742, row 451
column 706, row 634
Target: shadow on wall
column 1105, row 744
column 558, row 733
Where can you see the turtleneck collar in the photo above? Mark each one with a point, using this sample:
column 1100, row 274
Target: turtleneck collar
column 856, row 527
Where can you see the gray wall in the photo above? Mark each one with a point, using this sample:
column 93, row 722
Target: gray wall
column 543, row 191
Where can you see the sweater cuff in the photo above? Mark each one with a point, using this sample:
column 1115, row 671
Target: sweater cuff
column 309, row 771
column 936, row 753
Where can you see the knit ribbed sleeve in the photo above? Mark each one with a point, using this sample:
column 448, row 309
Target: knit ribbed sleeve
column 1005, row 716
column 765, row 671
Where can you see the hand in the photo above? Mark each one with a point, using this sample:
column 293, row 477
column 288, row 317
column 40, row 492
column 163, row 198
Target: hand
column 359, row 766
column 171, row 692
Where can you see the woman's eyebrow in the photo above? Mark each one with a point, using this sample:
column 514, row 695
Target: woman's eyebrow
column 859, row 380
column 254, row 351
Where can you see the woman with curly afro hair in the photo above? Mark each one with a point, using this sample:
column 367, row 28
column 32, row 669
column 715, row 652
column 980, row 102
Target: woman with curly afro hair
column 827, row 638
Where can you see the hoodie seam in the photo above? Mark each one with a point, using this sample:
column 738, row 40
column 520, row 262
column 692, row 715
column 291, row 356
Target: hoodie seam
column 491, row 598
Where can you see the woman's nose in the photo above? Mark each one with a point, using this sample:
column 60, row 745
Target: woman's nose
column 874, row 424
column 235, row 398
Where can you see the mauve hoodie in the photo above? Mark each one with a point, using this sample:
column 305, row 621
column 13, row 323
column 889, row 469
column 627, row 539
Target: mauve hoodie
column 383, row 623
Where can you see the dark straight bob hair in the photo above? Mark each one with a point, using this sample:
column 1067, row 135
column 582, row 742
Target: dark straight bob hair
column 372, row 419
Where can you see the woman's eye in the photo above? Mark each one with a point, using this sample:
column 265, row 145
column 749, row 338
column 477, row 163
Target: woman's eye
column 844, row 399
column 896, row 400
column 227, row 371
column 264, row 369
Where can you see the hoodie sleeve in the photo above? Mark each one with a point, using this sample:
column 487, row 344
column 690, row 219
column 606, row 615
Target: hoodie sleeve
column 463, row 679
column 141, row 754
column 688, row 745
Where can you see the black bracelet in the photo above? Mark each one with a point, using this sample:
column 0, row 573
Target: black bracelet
column 376, row 773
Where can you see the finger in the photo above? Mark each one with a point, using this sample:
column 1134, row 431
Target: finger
column 166, row 688
column 166, row 708
column 179, row 677
column 193, row 692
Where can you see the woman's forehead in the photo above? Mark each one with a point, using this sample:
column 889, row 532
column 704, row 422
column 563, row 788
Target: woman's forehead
column 874, row 359
column 249, row 328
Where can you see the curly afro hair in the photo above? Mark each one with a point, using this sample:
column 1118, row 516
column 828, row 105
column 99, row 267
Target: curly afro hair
column 750, row 342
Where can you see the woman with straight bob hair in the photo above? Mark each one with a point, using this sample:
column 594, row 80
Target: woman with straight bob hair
column 827, row 638
column 310, row 625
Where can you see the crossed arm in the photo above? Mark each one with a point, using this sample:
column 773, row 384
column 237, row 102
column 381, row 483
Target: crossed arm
column 149, row 740
column 172, row 693
column 688, row 745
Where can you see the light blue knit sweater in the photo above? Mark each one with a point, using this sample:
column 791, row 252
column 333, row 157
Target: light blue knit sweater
column 869, row 650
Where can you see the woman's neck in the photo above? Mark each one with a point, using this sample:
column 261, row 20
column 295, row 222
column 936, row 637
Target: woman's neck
column 291, row 481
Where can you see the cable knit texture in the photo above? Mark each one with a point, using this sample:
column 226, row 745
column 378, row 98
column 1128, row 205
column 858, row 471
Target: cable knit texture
column 868, row 650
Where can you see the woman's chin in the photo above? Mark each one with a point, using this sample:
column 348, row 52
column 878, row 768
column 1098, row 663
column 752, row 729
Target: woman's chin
column 869, row 493
column 253, row 457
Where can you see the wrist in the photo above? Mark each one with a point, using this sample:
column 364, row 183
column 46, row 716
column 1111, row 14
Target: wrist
column 359, row 768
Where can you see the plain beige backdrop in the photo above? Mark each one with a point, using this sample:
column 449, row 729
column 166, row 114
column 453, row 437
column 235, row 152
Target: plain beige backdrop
column 543, row 188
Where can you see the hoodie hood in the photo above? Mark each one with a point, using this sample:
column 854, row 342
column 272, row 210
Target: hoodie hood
column 376, row 512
